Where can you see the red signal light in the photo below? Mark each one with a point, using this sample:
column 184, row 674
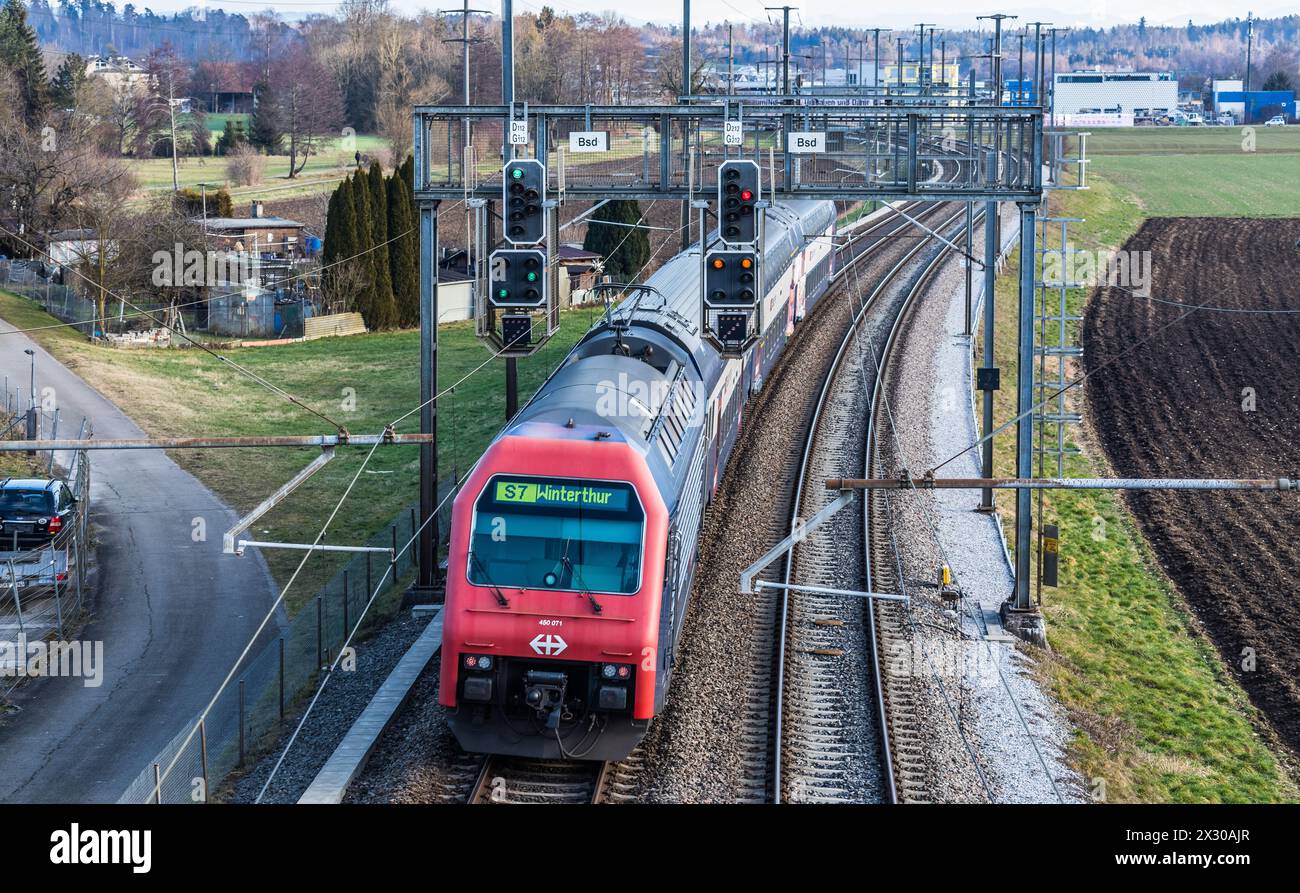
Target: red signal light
column 746, row 195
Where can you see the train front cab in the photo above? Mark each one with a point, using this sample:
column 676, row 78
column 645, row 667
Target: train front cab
column 554, row 584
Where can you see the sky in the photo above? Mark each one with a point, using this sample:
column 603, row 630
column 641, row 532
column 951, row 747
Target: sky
column 948, row 13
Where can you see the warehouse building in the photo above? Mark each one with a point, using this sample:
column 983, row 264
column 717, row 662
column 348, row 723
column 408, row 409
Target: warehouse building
column 1143, row 94
column 1254, row 106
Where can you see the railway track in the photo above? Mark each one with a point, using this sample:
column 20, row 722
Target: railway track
column 881, row 251
column 845, row 728
column 523, row 780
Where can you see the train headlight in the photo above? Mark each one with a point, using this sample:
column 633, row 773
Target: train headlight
column 609, row 671
column 480, row 662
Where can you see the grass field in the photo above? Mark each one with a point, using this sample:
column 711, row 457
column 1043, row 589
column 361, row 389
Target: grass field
column 1202, row 171
column 1158, row 719
column 335, row 160
column 362, row 382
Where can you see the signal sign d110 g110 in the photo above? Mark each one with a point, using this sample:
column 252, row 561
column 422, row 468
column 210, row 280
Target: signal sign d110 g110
column 517, row 278
column 738, row 196
column 524, row 193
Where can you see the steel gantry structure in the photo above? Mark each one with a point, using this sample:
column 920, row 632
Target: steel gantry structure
column 873, row 145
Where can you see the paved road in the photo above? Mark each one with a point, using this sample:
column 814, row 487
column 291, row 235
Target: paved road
column 172, row 614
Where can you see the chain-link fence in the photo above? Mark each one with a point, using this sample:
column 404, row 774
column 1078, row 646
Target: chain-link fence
column 27, row 278
column 250, row 713
column 42, row 587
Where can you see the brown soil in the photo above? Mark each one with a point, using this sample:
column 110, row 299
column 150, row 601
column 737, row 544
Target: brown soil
column 1168, row 398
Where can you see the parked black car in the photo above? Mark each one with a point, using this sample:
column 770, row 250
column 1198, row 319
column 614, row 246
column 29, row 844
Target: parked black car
column 33, row 511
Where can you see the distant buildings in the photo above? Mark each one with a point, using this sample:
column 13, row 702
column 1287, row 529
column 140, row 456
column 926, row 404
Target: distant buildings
column 258, row 234
column 118, row 72
column 1143, row 94
column 1254, row 106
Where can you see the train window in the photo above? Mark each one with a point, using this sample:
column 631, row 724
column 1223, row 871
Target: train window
column 557, row 533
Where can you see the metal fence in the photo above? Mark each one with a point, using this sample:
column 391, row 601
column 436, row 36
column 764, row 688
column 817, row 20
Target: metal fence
column 42, row 590
column 60, row 301
column 250, row 713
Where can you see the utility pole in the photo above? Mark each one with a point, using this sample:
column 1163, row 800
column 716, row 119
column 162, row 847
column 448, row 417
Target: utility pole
column 992, row 237
column 785, row 45
column 686, row 47
column 1038, row 61
column 731, row 62
column 1051, row 78
column 899, row 61
column 875, row 75
column 465, row 40
column 1250, row 44
column 920, row 54
column 508, row 100
column 1020, row 83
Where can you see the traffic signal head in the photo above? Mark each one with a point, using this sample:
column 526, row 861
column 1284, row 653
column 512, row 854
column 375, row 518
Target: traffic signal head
column 522, row 204
column 738, row 196
column 730, row 279
column 517, row 277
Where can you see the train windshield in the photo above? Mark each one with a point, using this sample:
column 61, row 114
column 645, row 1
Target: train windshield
column 557, row 533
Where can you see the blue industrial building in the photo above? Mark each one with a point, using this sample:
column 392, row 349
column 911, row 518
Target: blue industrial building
column 1254, row 106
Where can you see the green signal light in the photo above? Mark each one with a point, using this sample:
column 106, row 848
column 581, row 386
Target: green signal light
column 503, row 292
column 532, row 277
column 517, row 173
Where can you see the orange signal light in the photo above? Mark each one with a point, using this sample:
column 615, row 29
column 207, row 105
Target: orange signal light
column 718, row 263
column 747, row 262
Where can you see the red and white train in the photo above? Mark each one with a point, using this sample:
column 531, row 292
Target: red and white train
column 574, row 539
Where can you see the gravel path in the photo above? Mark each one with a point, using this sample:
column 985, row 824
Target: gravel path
column 976, row 691
column 344, row 698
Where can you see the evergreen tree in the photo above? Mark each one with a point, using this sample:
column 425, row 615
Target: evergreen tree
column 200, row 136
column 385, row 305
column 20, row 52
column 68, row 79
column 231, row 138
column 266, row 132
column 404, row 251
column 350, row 243
column 329, row 250
column 408, row 174
column 624, row 249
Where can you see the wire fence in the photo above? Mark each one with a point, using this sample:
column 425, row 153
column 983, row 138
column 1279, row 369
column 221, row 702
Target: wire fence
column 42, row 589
column 251, row 712
column 27, row 278
column 227, row 311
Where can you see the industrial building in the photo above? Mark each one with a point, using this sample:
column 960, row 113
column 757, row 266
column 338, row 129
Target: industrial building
column 1144, row 94
column 1254, row 106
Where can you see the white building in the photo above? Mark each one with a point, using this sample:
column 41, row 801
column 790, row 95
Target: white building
column 1143, row 94
column 1236, row 109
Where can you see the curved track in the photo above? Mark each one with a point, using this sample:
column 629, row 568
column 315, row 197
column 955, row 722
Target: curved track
column 841, row 726
column 889, row 256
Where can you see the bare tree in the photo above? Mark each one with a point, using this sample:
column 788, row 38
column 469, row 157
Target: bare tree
column 308, row 105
